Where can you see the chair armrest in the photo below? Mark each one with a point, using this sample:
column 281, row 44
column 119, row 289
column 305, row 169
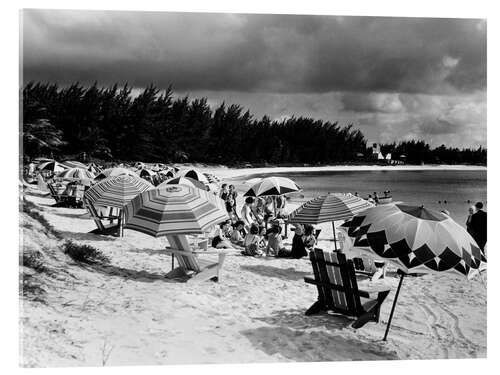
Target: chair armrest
column 369, row 293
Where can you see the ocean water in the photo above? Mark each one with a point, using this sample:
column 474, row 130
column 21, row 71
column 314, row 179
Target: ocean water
column 459, row 189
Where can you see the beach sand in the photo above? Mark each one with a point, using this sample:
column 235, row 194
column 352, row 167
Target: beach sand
column 128, row 313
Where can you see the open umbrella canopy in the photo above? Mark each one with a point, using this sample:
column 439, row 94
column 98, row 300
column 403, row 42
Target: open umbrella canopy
column 117, row 191
column 174, row 209
column 330, row 207
column 74, row 174
column 111, row 172
column 146, row 173
column 272, row 186
column 53, row 166
column 74, row 164
column 187, row 181
column 253, row 181
column 195, row 175
column 416, row 238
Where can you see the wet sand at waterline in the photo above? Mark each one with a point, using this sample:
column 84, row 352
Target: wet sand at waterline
column 128, row 313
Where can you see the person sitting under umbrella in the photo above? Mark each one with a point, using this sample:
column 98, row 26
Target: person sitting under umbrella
column 298, row 248
column 309, row 239
column 222, row 236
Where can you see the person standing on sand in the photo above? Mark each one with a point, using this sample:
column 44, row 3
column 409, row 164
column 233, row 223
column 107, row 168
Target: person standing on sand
column 478, row 225
column 246, row 213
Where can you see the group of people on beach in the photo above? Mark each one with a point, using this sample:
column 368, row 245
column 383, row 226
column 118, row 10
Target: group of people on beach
column 259, row 241
column 256, row 230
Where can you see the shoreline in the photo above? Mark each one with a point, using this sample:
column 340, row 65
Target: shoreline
column 232, row 172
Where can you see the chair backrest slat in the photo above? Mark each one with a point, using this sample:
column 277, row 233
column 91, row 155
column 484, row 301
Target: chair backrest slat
column 333, row 268
column 336, row 278
column 180, row 242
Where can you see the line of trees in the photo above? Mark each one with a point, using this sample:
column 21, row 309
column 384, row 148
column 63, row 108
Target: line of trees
column 154, row 126
column 416, row 152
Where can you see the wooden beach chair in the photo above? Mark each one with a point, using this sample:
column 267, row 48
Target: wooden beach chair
column 112, row 229
column 53, row 193
column 190, row 265
column 338, row 290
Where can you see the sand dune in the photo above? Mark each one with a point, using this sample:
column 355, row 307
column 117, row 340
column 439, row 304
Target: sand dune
column 128, row 313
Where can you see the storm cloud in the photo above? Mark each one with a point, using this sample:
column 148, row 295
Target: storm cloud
column 352, row 68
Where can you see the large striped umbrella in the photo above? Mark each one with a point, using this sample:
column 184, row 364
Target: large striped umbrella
column 110, row 172
column 187, row 181
column 330, row 207
column 415, row 238
column 194, row 174
column 74, row 164
column 76, row 174
column 272, row 186
column 117, row 191
column 174, row 209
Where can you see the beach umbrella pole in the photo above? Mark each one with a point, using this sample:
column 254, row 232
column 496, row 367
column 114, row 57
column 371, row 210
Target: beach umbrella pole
column 334, row 235
column 394, row 305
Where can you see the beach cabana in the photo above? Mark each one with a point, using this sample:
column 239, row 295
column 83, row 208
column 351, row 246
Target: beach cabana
column 116, row 191
column 175, row 211
column 330, row 207
column 415, row 239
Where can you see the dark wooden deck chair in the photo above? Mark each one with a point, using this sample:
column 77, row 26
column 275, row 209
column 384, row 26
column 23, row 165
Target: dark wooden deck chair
column 338, row 291
column 53, row 193
column 190, row 265
column 112, row 229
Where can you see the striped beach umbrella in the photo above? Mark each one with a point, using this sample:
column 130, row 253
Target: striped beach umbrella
column 194, row 174
column 74, row 164
column 174, row 210
column 74, row 174
column 212, row 179
column 111, row 172
column 415, row 239
column 117, row 191
column 330, row 207
column 272, row 186
column 146, row 173
column 187, row 181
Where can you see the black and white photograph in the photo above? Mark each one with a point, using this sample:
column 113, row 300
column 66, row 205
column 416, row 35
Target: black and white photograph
column 236, row 188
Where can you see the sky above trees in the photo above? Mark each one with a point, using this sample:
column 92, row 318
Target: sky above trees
column 393, row 78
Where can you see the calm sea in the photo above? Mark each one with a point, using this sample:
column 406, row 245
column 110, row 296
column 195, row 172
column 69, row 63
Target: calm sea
column 449, row 190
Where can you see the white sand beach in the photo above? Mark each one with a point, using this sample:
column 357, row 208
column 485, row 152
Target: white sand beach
column 128, row 313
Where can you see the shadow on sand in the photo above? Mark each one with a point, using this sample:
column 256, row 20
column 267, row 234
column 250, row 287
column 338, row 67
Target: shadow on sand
column 128, row 274
column 79, row 236
column 297, row 319
column 307, row 346
column 289, row 274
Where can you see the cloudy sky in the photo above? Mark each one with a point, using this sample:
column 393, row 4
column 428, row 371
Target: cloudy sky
column 393, row 78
